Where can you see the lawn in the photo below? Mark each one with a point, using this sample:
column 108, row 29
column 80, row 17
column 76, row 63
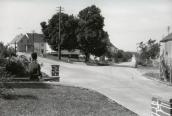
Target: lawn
column 150, row 72
column 48, row 100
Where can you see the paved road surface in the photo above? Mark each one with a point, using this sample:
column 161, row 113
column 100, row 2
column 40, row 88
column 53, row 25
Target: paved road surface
column 123, row 84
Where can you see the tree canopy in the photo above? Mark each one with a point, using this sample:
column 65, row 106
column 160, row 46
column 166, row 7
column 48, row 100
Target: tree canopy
column 150, row 49
column 68, row 31
column 84, row 32
column 92, row 38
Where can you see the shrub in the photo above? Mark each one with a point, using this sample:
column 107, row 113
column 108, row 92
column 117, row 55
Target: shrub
column 3, row 62
column 18, row 66
column 123, row 56
column 6, row 51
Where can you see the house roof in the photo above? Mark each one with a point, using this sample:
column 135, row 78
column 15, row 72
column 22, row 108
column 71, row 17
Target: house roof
column 112, row 48
column 37, row 37
column 167, row 38
column 17, row 39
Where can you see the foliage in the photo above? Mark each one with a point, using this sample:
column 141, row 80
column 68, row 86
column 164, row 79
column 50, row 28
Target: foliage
column 3, row 62
column 5, row 51
column 17, row 66
column 68, row 23
column 85, row 32
column 148, row 50
column 123, row 56
column 92, row 38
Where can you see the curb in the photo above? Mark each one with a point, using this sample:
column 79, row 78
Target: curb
column 151, row 78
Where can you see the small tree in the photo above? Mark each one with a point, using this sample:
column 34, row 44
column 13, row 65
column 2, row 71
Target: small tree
column 153, row 48
column 148, row 50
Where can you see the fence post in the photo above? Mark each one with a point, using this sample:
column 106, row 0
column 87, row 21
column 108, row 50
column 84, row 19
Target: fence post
column 160, row 107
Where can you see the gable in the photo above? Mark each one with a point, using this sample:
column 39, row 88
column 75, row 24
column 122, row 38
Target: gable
column 36, row 37
column 17, row 39
column 167, row 38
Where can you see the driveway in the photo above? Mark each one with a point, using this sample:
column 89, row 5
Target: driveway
column 121, row 83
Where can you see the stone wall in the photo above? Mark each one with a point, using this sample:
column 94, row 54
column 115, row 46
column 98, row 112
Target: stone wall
column 161, row 107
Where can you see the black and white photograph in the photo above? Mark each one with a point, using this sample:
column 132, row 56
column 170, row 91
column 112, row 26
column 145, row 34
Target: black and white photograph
column 85, row 57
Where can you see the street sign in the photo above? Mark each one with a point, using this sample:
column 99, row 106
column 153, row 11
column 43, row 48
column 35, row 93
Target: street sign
column 55, row 70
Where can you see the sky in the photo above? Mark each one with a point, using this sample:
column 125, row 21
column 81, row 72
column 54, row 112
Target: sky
column 127, row 22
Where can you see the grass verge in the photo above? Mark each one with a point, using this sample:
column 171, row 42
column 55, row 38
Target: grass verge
column 46, row 100
column 150, row 72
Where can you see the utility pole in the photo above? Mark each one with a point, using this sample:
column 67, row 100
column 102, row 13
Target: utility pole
column 33, row 40
column 15, row 47
column 94, row 2
column 168, row 30
column 59, row 42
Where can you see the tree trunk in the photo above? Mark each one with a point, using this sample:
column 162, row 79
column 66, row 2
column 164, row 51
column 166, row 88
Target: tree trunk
column 87, row 57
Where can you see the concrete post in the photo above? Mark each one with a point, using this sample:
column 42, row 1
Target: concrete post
column 160, row 107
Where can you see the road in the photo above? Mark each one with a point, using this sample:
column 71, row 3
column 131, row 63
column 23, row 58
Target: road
column 120, row 83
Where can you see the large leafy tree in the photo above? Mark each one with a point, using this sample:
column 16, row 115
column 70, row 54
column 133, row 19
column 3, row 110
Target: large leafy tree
column 92, row 38
column 69, row 23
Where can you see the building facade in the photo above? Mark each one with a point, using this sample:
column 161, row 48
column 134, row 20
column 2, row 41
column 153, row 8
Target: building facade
column 166, row 58
column 166, row 48
column 30, row 42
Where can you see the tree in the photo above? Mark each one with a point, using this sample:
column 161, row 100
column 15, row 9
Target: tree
column 124, row 56
column 153, row 48
column 143, row 50
column 150, row 49
column 6, row 51
column 92, row 38
column 69, row 23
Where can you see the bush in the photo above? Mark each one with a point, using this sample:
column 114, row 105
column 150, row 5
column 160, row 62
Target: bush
column 6, row 51
column 123, row 56
column 18, row 66
column 3, row 62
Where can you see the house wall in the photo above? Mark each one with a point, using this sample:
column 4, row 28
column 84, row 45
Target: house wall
column 21, row 45
column 166, row 51
column 39, row 46
column 28, row 44
column 48, row 48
